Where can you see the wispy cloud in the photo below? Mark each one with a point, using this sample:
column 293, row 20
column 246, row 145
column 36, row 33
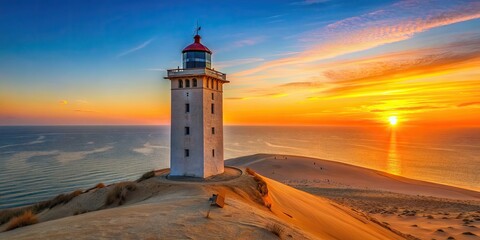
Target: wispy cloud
column 248, row 41
column 237, row 62
column 144, row 44
column 155, row 69
column 468, row 104
column 85, row 111
column 399, row 22
column 309, row 2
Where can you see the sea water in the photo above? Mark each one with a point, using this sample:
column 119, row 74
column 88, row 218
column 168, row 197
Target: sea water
column 37, row 163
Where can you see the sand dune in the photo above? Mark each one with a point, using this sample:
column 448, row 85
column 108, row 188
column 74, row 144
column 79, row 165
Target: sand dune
column 344, row 202
column 312, row 172
column 160, row 208
column 418, row 209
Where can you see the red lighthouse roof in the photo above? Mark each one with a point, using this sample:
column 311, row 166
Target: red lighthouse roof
column 196, row 46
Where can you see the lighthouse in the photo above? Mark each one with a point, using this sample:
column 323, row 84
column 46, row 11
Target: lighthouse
column 196, row 138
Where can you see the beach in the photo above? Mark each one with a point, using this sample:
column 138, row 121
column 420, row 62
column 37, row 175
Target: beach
column 420, row 209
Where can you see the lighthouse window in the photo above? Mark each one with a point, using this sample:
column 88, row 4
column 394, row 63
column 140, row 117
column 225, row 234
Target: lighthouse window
column 216, row 84
column 213, row 152
column 213, row 130
column 187, row 83
column 187, row 152
column 180, row 83
column 212, row 108
column 194, row 82
column 187, row 130
column 212, row 96
column 187, row 108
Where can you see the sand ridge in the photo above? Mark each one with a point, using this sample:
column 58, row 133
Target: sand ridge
column 160, row 208
column 418, row 209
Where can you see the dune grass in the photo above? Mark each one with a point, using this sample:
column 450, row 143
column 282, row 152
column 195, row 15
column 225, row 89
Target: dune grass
column 261, row 184
column 119, row 192
column 9, row 214
column 146, row 176
column 276, row 229
column 60, row 199
column 27, row 218
column 98, row 186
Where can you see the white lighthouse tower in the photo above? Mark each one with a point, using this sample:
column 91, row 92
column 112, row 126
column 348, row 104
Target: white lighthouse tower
column 196, row 143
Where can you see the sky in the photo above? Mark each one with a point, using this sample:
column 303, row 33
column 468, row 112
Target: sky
column 310, row 62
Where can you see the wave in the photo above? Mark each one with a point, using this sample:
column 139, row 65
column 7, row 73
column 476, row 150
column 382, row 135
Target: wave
column 40, row 139
column 65, row 157
column 281, row 146
column 148, row 148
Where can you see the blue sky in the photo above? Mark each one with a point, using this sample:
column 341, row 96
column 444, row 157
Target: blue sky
column 96, row 51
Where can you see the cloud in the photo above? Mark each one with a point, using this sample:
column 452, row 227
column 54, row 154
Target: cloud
column 237, row 62
column 466, row 104
column 407, row 109
column 247, row 41
column 85, row 111
column 396, row 23
column 80, row 101
column 308, row 2
column 155, row 69
column 63, row 102
column 301, row 85
column 144, row 44
column 235, row 98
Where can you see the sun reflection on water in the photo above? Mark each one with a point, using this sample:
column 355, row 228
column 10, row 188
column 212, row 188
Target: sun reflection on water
column 393, row 162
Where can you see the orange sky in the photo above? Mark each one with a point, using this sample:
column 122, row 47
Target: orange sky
column 358, row 70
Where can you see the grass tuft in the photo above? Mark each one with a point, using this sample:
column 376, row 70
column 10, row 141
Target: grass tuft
column 251, row 172
column 276, row 229
column 261, row 184
column 146, row 176
column 27, row 218
column 7, row 215
column 100, row 185
column 60, row 199
column 119, row 192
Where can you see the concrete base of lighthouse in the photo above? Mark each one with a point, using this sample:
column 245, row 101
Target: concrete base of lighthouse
column 229, row 173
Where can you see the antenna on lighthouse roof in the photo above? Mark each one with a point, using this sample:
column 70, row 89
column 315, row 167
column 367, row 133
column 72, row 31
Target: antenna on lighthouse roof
column 197, row 29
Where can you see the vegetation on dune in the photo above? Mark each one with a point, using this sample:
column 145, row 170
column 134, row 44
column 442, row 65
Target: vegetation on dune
column 98, row 186
column 27, row 218
column 262, row 187
column 276, row 229
column 261, row 184
column 60, row 199
column 9, row 214
column 119, row 192
column 146, row 176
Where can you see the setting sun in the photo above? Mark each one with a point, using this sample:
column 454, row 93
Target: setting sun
column 393, row 120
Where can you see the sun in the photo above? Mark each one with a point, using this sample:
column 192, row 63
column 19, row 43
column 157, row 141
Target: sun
column 393, row 120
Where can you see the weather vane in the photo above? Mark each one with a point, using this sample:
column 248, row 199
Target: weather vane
column 198, row 28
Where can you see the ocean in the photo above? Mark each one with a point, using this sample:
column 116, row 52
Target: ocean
column 40, row 162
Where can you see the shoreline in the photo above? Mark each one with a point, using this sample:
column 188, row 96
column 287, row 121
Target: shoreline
column 341, row 175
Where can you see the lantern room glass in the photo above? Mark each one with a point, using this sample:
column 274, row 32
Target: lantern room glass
column 197, row 59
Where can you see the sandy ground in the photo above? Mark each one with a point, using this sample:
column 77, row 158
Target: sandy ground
column 160, row 208
column 420, row 209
